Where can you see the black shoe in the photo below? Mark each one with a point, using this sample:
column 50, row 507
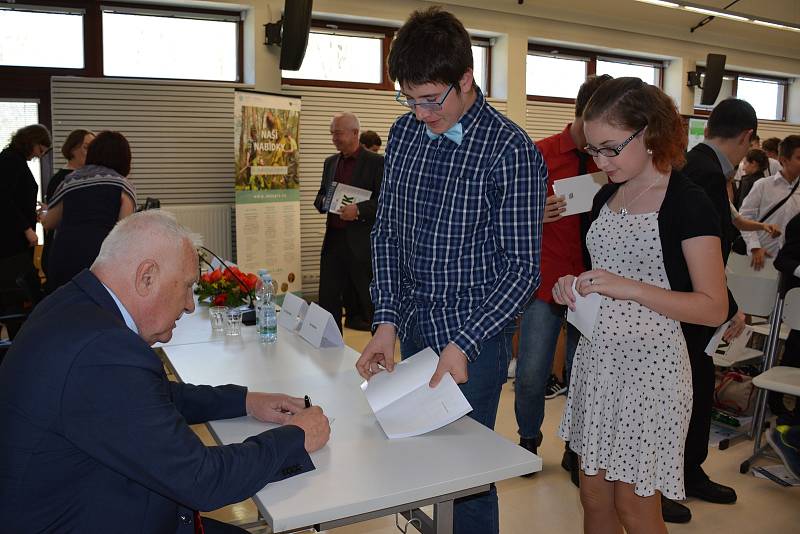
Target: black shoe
column 709, row 491
column 674, row 512
column 531, row 444
column 569, row 462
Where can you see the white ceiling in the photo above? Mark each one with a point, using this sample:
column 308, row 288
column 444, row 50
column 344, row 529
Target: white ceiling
column 637, row 17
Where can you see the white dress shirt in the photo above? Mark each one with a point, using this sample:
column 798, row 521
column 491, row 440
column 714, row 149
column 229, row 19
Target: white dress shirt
column 766, row 193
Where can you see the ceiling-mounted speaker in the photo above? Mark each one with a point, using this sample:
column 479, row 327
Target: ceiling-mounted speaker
column 715, row 69
column 291, row 32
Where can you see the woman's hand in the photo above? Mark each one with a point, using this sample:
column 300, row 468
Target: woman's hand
column 562, row 292
column 607, row 284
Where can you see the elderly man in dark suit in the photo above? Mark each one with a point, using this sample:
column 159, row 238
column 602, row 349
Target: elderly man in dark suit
column 96, row 439
column 346, row 259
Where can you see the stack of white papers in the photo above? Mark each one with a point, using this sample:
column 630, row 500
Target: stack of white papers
column 405, row 405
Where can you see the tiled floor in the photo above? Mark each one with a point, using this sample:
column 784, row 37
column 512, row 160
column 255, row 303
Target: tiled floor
column 549, row 503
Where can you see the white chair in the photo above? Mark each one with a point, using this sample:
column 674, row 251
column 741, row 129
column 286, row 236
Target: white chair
column 780, row 379
column 755, row 293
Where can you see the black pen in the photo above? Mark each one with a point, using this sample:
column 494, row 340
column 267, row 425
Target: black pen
column 307, row 400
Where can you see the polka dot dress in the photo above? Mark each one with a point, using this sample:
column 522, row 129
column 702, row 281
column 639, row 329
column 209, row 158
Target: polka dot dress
column 630, row 395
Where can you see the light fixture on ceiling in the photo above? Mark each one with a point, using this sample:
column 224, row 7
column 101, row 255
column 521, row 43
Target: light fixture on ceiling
column 731, row 15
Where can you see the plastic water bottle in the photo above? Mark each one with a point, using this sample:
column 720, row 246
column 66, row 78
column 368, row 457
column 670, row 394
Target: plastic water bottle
column 268, row 328
column 260, row 296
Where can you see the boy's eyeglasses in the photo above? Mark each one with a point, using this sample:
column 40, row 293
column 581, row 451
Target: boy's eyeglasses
column 429, row 106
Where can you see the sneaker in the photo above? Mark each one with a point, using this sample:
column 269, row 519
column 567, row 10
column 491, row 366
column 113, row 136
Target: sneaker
column 554, row 388
column 512, row 368
column 789, row 455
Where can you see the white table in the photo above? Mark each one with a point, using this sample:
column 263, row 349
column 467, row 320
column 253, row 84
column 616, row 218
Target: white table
column 360, row 474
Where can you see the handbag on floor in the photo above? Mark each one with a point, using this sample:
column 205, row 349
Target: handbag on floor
column 734, row 393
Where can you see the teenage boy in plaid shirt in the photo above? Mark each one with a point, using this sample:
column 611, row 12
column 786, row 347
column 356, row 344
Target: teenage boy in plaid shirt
column 456, row 241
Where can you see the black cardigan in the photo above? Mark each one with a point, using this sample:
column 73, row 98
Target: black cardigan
column 686, row 212
column 18, row 192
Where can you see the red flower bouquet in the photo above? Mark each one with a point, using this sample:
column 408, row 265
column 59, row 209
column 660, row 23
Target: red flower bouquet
column 227, row 287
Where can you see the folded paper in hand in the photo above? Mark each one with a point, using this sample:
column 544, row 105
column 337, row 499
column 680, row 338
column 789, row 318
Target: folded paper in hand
column 405, row 405
column 342, row 195
column 586, row 310
column 579, row 191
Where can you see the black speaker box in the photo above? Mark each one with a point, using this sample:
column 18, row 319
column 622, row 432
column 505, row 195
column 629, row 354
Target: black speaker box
column 715, row 68
column 296, row 25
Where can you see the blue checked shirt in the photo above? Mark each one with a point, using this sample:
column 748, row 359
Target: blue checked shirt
column 455, row 247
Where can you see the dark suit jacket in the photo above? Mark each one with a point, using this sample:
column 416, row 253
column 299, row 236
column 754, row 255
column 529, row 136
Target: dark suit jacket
column 703, row 168
column 96, row 439
column 788, row 258
column 17, row 202
column 367, row 174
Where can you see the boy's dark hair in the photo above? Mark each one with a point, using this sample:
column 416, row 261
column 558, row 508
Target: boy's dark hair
column 730, row 118
column 370, row 138
column 431, row 47
column 587, row 90
column 787, row 147
column 27, row 137
column 110, row 149
column 771, row 144
column 73, row 141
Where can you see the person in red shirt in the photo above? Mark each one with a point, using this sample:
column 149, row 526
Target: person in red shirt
column 562, row 254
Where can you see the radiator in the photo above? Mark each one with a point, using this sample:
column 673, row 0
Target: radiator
column 210, row 222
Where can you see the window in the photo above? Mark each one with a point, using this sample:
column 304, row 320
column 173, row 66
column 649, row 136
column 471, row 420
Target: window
column 354, row 55
column 480, row 66
column 554, row 76
column 170, row 45
column 766, row 95
column 617, row 68
column 557, row 74
column 341, row 57
column 41, row 39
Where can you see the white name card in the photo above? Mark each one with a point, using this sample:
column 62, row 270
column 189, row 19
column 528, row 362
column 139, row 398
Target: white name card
column 292, row 313
column 320, row 329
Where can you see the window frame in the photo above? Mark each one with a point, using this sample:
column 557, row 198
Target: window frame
column 590, row 57
column 704, row 112
column 388, row 33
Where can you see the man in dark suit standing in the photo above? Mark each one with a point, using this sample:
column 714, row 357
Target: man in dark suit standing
column 346, row 258
column 96, row 438
column 730, row 127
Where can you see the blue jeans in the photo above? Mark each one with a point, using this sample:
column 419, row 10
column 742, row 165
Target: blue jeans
column 478, row 514
column 541, row 324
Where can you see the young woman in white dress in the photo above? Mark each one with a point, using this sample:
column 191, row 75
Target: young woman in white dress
column 657, row 263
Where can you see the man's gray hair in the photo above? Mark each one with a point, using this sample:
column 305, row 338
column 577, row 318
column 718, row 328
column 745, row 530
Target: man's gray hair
column 139, row 230
column 349, row 118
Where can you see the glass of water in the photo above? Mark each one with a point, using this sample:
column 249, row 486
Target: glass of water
column 233, row 322
column 217, row 314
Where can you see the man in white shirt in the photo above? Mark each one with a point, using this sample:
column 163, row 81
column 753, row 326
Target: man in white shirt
column 767, row 193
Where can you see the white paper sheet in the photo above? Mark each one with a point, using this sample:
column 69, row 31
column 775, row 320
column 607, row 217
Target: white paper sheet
column 345, row 195
column 586, row 309
column 406, row 406
column 579, row 191
column 735, row 348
